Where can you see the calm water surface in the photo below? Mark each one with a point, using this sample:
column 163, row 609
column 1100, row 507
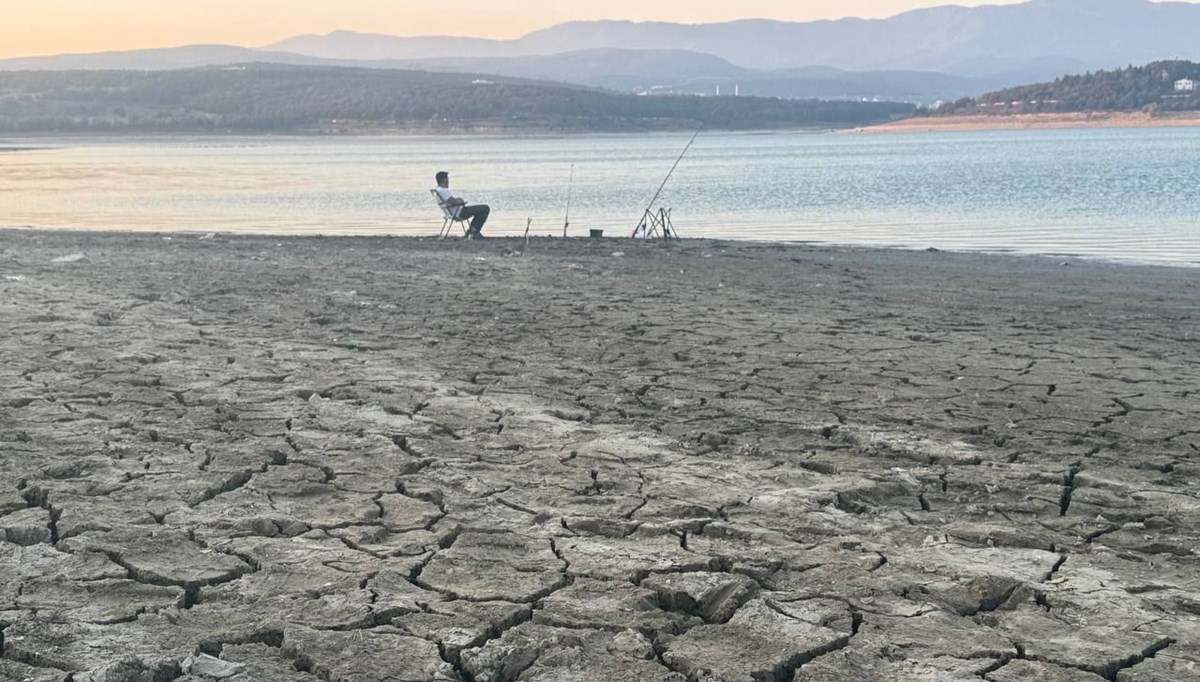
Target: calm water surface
column 1128, row 194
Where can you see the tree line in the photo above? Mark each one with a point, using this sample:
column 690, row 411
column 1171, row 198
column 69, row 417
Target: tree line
column 277, row 98
column 1150, row 88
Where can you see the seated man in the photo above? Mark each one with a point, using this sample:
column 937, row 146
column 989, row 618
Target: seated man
column 477, row 214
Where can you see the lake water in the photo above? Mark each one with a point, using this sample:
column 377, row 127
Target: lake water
column 1125, row 194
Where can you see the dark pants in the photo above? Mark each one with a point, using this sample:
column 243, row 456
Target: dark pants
column 477, row 214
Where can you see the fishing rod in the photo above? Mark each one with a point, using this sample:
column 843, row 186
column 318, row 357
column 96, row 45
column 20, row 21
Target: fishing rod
column 651, row 223
column 672, row 171
column 567, row 217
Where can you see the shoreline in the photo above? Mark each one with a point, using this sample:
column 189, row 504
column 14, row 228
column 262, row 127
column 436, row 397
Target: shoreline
column 417, row 132
column 441, row 460
column 509, row 240
column 1066, row 121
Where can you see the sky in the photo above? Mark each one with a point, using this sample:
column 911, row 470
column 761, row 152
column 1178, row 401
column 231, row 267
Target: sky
column 40, row 27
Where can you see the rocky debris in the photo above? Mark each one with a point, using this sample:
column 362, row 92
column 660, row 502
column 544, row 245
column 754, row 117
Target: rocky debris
column 793, row 463
column 758, row 643
column 26, row 527
column 714, row 597
column 130, row 669
column 203, row 665
column 259, row 663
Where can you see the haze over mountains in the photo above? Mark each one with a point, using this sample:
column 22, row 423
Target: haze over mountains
column 938, row 53
column 978, row 41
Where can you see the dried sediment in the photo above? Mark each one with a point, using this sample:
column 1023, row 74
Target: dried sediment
column 360, row 459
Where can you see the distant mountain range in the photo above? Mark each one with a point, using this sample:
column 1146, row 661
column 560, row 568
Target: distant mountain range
column 164, row 59
column 685, row 72
column 1048, row 36
column 267, row 98
column 921, row 56
column 637, row 71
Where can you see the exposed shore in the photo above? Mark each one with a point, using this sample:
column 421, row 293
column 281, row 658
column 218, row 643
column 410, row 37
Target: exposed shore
column 331, row 458
column 1035, row 122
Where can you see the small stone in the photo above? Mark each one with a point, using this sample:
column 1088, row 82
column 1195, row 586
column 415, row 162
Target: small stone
column 715, row 597
column 27, row 527
column 208, row 666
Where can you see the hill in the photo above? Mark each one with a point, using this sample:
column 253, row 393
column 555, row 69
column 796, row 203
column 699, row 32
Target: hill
column 1017, row 43
column 683, row 72
column 276, row 98
column 160, row 59
column 1150, row 87
column 657, row 71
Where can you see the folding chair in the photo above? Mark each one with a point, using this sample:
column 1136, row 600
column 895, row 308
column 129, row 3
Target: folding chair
column 450, row 218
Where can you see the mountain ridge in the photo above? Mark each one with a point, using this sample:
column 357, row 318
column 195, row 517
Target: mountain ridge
column 622, row 70
column 921, row 56
column 952, row 39
column 263, row 98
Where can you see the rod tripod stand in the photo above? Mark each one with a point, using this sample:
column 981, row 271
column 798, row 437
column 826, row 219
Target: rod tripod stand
column 655, row 225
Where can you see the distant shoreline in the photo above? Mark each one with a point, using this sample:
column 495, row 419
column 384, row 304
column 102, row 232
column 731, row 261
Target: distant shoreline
column 396, row 131
column 1098, row 119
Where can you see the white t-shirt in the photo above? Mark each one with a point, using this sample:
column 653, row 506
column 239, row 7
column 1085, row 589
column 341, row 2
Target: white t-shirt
column 444, row 193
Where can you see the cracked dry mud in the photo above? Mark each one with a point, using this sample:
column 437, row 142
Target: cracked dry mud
column 387, row 459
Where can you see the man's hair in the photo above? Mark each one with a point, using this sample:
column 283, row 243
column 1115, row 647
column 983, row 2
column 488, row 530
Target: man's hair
column 441, row 176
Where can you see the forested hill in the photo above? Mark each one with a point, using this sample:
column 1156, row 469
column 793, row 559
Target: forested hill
column 276, row 98
column 1150, row 87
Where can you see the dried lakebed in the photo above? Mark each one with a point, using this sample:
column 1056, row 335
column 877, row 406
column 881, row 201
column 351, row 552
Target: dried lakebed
column 372, row 459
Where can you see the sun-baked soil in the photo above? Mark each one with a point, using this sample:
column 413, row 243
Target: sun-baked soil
column 370, row 459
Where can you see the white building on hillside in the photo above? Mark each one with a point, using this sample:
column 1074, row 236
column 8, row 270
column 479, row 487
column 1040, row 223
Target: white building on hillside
column 1185, row 85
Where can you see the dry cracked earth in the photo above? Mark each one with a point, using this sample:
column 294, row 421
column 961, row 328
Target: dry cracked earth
column 371, row 459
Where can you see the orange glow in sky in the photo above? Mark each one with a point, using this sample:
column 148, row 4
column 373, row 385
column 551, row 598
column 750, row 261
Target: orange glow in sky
column 39, row 27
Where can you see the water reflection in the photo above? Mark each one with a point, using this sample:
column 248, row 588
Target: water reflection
column 1123, row 193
